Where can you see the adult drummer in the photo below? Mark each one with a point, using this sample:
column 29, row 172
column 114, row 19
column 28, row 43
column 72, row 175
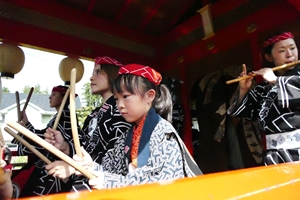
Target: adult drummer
column 274, row 102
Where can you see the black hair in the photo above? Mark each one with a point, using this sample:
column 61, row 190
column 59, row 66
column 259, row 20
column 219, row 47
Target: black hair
column 111, row 71
column 140, row 85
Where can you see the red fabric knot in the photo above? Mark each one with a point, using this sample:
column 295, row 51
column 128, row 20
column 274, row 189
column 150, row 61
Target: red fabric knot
column 277, row 38
column 143, row 71
column 107, row 60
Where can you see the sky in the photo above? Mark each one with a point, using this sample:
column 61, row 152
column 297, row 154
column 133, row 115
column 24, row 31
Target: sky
column 42, row 68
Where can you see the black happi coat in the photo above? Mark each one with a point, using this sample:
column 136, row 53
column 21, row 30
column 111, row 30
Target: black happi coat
column 101, row 129
column 276, row 106
column 39, row 182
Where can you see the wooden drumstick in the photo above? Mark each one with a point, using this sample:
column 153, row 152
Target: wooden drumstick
column 21, row 129
column 25, row 143
column 18, row 105
column 61, row 109
column 273, row 69
column 27, row 100
column 73, row 114
column 1, row 139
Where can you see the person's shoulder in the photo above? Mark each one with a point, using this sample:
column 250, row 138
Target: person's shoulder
column 166, row 126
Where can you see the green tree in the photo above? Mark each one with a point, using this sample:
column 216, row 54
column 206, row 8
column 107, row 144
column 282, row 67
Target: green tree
column 37, row 89
column 90, row 101
column 26, row 89
column 5, row 89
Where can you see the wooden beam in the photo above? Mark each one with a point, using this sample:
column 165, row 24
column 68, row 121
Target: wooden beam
column 91, row 6
column 150, row 15
column 71, row 15
column 295, row 3
column 64, row 44
column 217, row 9
column 122, row 11
column 223, row 39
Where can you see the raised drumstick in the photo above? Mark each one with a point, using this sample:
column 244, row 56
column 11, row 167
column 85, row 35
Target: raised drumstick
column 28, row 99
column 18, row 106
column 73, row 114
column 21, row 129
column 61, row 109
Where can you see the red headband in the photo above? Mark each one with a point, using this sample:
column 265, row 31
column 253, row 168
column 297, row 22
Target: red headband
column 62, row 90
column 143, row 71
column 277, row 38
column 106, row 60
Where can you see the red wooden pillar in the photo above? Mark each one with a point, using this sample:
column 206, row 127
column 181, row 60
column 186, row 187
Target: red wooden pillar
column 256, row 54
column 187, row 122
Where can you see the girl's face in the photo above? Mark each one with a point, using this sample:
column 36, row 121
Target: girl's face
column 134, row 106
column 283, row 52
column 55, row 99
column 99, row 81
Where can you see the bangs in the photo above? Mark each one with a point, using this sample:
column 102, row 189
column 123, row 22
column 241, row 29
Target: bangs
column 127, row 82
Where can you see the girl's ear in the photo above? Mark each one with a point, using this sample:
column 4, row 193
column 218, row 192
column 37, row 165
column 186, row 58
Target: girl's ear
column 150, row 95
column 268, row 57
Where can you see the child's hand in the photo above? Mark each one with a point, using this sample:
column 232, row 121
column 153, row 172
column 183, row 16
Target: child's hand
column 60, row 169
column 97, row 183
column 86, row 161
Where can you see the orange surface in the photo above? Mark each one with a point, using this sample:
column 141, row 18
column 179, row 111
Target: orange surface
column 271, row 182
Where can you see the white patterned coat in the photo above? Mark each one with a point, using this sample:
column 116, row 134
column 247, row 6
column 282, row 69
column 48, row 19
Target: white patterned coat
column 166, row 161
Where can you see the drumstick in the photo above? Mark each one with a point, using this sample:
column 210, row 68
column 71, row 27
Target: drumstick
column 73, row 113
column 21, row 129
column 61, row 109
column 18, row 106
column 28, row 98
column 25, row 143
column 2, row 142
column 273, row 69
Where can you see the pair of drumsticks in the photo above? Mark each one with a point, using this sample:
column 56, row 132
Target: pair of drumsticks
column 25, row 105
column 48, row 146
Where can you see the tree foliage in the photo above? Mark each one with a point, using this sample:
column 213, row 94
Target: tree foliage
column 37, row 89
column 89, row 98
column 5, row 89
column 90, row 101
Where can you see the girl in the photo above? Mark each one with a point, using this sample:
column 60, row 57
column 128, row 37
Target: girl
column 151, row 150
column 101, row 128
column 39, row 182
column 274, row 102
